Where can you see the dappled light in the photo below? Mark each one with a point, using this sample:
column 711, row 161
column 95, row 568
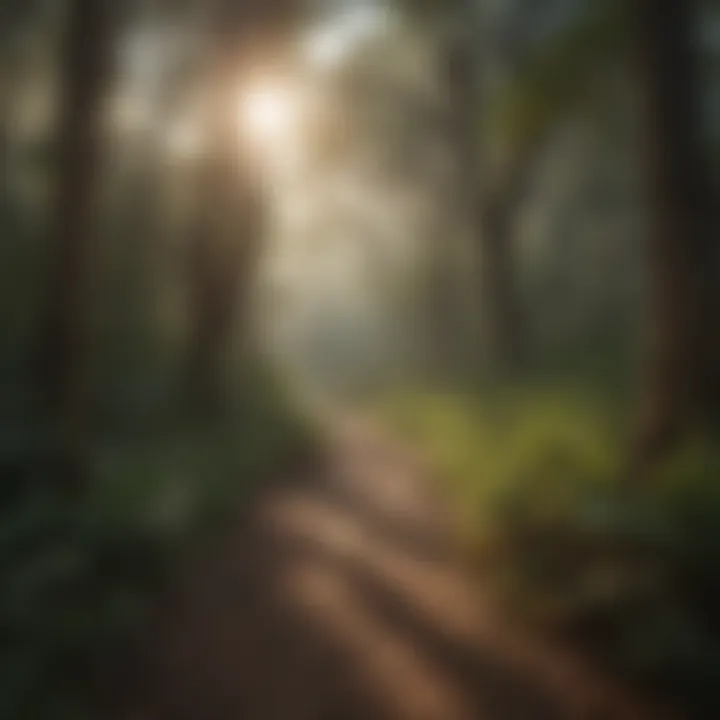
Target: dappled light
column 359, row 360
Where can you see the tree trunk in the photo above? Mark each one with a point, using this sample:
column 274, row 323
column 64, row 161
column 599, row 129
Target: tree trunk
column 499, row 305
column 491, row 210
column 679, row 373
column 246, row 36
column 231, row 201
column 225, row 247
column 63, row 346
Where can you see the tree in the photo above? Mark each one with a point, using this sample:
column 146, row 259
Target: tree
column 547, row 78
column 681, row 375
column 243, row 37
column 14, row 19
column 63, row 345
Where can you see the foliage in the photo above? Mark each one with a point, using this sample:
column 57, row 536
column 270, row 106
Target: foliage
column 556, row 79
column 542, row 491
column 79, row 573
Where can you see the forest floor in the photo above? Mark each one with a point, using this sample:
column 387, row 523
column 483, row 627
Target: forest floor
column 339, row 596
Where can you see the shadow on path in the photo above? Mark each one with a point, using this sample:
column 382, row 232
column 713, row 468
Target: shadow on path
column 338, row 599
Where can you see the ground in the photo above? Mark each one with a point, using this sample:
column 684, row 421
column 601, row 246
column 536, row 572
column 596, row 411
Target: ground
column 338, row 596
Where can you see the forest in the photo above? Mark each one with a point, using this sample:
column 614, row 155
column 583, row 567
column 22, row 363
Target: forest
column 359, row 359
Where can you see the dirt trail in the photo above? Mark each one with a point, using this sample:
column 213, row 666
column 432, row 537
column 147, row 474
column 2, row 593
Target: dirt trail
column 338, row 598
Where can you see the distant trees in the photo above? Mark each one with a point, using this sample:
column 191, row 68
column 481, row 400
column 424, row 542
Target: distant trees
column 12, row 15
column 499, row 133
column 549, row 79
column 682, row 372
column 490, row 208
column 501, row 129
column 63, row 345
column 219, row 236
column 243, row 37
column 549, row 76
column 462, row 57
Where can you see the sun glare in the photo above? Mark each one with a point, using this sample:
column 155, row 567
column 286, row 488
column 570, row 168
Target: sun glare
column 267, row 115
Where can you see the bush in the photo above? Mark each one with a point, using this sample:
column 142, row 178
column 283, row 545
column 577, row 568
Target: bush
column 78, row 573
column 630, row 572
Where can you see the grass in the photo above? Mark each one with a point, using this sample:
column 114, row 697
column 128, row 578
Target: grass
column 538, row 479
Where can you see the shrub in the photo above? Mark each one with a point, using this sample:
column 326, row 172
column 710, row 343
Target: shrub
column 630, row 572
column 78, row 573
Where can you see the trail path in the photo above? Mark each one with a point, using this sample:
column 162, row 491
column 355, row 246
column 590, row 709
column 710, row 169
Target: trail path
column 338, row 597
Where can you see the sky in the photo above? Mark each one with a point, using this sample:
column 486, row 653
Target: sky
column 331, row 41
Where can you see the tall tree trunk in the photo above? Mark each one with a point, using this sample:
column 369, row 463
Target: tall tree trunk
column 680, row 368
column 225, row 246
column 6, row 98
column 63, row 346
column 13, row 23
column 491, row 211
column 503, row 321
column 229, row 228
column 499, row 304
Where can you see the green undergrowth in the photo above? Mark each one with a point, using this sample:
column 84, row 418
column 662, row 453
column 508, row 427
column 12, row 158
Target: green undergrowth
column 79, row 572
column 628, row 569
